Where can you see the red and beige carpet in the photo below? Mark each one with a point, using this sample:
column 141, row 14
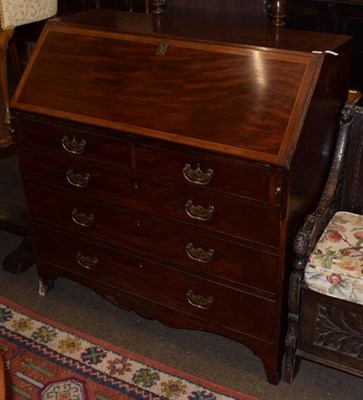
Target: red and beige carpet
column 47, row 361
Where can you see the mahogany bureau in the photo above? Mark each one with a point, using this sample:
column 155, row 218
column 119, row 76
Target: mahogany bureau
column 167, row 165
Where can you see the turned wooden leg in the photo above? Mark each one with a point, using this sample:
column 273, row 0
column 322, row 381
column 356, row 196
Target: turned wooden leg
column 147, row 6
column 278, row 12
column 157, row 7
column 5, row 36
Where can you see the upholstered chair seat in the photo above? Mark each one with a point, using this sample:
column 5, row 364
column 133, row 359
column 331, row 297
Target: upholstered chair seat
column 20, row 12
column 335, row 267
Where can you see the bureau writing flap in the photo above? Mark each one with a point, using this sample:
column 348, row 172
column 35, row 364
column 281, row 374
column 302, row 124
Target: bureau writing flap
column 244, row 100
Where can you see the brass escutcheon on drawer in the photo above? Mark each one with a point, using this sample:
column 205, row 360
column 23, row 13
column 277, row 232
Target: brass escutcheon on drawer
column 82, row 219
column 199, row 301
column 198, row 254
column 199, row 212
column 76, row 179
column 73, row 146
column 197, row 176
column 86, row 261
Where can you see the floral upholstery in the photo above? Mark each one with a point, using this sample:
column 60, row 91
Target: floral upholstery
column 335, row 267
column 20, row 12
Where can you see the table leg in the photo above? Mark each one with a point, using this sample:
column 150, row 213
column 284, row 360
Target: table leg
column 5, row 36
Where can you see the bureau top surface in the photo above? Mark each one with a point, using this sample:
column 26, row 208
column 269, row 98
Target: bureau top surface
column 234, row 91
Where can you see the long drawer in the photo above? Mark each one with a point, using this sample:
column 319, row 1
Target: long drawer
column 201, row 207
column 219, row 304
column 188, row 248
column 230, row 175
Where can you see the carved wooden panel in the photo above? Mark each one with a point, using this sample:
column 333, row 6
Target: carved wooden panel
column 331, row 332
column 340, row 331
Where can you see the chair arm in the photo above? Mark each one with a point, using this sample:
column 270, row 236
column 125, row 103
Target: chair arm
column 315, row 223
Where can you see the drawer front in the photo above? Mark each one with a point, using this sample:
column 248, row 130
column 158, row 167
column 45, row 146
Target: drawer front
column 77, row 143
column 160, row 238
column 218, row 304
column 82, row 176
column 200, row 207
column 232, row 176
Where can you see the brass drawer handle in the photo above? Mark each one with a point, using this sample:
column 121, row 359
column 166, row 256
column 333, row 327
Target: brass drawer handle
column 86, row 262
column 77, row 180
column 198, row 254
column 82, row 219
column 197, row 176
column 72, row 146
column 199, row 301
column 199, row 212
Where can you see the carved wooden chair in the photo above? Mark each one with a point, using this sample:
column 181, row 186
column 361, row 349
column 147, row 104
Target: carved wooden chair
column 325, row 310
column 14, row 13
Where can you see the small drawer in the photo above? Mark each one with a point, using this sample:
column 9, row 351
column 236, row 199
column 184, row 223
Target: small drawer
column 82, row 176
column 210, row 210
column 204, row 255
column 75, row 142
column 218, row 304
column 229, row 175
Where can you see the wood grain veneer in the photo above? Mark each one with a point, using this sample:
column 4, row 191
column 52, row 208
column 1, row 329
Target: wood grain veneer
column 163, row 163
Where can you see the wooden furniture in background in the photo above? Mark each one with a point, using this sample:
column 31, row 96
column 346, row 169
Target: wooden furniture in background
column 335, row 16
column 277, row 12
column 163, row 164
column 230, row 11
column 322, row 328
column 14, row 13
column 242, row 11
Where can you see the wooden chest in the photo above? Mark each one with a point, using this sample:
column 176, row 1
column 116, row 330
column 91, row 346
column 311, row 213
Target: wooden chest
column 167, row 165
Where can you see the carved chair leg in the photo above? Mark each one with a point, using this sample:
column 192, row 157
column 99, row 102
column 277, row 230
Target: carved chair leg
column 292, row 361
column 5, row 36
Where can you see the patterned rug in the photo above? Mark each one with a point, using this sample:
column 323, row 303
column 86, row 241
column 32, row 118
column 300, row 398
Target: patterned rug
column 47, row 361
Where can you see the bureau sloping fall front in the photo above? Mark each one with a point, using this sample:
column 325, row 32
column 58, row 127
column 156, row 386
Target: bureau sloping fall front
column 163, row 164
